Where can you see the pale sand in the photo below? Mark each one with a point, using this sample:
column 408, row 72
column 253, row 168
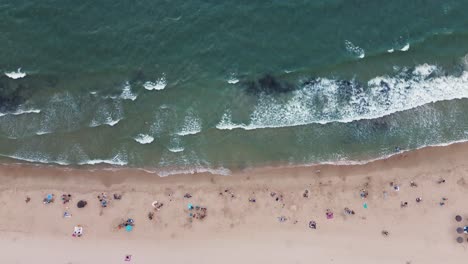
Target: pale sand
column 235, row 230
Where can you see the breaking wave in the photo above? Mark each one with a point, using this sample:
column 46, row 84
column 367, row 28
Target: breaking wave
column 354, row 50
column 144, row 139
column 176, row 149
column 196, row 170
column 159, row 84
column 36, row 158
column 127, row 93
column 109, row 121
column 406, row 47
column 107, row 114
column 325, row 100
column 21, row 112
column 232, row 80
column 114, row 161
column 192, row 125
column 175, row 145
column 16, row 75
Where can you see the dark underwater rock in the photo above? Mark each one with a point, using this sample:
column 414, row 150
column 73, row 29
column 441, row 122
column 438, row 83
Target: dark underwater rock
column 268, row 84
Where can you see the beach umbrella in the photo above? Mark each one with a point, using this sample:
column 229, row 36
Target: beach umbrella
column 81, row 204
column 128, row 228
column 458, row 218
column 459, row 239
column 459, row 230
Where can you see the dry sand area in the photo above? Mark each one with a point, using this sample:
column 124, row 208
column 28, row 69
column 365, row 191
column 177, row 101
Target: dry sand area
column 254, row 216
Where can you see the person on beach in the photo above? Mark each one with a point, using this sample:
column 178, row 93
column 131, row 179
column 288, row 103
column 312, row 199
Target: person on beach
column 66, row 198
column 441, row 180
column 312, row 225
column 349, row 211
column 364, row 193
column 329, row 214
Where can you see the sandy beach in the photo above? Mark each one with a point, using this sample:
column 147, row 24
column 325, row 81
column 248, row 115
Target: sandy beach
column 253, row 216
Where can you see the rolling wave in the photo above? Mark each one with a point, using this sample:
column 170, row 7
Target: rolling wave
column 195, row 170
column 159, row 84
column 16, row 75
column 406, row 47
column 176, row 149
column 108, row 114
column 114, row 161
column 36, row 158
column 175, row 145
column 192, row 125
column 109, row 121
column 325, row 100
column 144, row 139
column 21, row 112
column 355, row 50
column 127, row 93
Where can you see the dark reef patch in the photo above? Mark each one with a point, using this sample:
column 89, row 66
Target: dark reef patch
column 268, row 84
column 13, row 93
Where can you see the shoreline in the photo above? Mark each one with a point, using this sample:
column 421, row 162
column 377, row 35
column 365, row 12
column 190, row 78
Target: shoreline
column 175, row 171
column 273, row 229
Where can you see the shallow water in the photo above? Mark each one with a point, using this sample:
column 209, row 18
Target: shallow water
column 177, row 84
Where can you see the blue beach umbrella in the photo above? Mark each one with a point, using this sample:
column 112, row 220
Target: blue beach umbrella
column 129, row 228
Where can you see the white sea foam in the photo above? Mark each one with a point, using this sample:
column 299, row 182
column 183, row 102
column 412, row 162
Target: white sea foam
column 424, row 69
column 192, row 125
column 175, row 145
column 127, row 93
column 144, row 139
column 354, row 50
column 22, row 111
column 232, row 80
column 116, row 160
column 196, row 170
column 327, row 100
column 159, row 84
column 176, row 149
column 109, row 113
column 406, row 47
column 45, row 159
column 109, row 121
column 42, row 132
column 16, row 75
column 36, row 158
column 390, row 50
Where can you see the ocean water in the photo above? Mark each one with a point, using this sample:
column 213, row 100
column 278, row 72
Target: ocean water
column 214, row 86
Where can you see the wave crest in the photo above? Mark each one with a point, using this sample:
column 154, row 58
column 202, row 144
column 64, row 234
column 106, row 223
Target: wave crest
column 159, row 84
column 16, row 75
column 144, row 139
column 325, row 100
column 355, row 50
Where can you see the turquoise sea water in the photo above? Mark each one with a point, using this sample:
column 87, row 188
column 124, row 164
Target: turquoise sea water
column 205, row 85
